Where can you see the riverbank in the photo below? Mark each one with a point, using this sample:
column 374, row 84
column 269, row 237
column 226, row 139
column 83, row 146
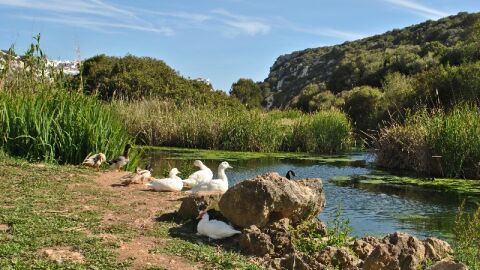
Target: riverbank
column 70, row 217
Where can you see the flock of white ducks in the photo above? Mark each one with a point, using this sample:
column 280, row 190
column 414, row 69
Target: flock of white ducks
column 201, row 180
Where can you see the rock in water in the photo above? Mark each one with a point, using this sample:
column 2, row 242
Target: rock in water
column 196, row 202
column 271, row 197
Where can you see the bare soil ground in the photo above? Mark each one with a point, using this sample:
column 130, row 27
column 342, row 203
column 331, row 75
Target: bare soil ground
column 140, row 207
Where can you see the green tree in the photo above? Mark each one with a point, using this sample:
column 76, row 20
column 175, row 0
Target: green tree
column 248, row 92
column 364, row 106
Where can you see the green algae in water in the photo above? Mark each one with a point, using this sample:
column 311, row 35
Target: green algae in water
column 174, row 153
column 461, row 186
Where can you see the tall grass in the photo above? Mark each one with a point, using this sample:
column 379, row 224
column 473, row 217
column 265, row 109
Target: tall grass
column 43, row 119
column 437, row 142
column 55, row 125
column 161, row 123
column 455, row 136
column 325, row 132
column 467, row 237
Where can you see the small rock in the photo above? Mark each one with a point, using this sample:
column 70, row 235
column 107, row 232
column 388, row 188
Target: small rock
column 436, row 249
column 196, row 202
column 448, row 265
column 411, row 250
column 298, row 261
column 255, row 242
column 383, row 257
column 364, row 246
column 4, row 228
column 338, row 257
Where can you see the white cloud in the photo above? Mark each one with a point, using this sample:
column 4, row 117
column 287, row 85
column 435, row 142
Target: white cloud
column 238, row 24
column 93, row 14
column 93, row 7
column 416, row 7
column 98, row 25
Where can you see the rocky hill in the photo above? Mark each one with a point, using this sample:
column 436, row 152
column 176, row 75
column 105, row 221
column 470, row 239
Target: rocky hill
column 366, row 61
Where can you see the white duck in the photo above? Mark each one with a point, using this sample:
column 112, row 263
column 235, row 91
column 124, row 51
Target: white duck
column 95, row 160
column 217, row 185
column 172, row 183
column 214, row 229
column 203, row 175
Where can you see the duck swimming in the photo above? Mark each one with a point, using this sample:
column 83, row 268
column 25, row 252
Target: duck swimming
column 203, row 175
column 290, row 175
column 218, row 185
column 120, row 161
column 172, row 183
column 95, row 160
column 214, row 229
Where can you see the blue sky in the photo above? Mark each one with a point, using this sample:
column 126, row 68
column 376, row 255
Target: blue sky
column 221, row 40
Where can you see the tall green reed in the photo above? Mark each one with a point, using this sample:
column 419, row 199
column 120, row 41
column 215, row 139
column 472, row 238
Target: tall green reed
column 437, row 142
column 162, row 123
column 55, row 125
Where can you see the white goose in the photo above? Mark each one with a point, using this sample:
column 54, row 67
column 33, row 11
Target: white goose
column 203, row 175
column 214, row 229
column 172, row 183
column 217, row 185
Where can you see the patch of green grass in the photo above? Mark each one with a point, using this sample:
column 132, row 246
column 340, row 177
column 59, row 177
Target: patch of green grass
column 42, row 210
column 210, row 256
column 308, row 239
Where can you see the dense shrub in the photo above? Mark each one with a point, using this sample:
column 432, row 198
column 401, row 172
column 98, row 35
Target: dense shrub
column 134, row 78
column 364, row 106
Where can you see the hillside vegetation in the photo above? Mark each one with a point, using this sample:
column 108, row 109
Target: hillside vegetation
column 133, row 78
column 450, row 41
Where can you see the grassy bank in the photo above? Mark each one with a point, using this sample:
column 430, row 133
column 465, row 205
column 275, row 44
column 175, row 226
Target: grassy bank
column 436, row 143
column 160, row 123
column 52, row 207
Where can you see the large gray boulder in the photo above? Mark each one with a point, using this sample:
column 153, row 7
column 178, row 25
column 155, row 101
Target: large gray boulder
column 270, row 197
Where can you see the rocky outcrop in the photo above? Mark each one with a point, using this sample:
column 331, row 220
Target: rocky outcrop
column 401, row 251
column 196, row 202
column 397, row 251
column 271, row 198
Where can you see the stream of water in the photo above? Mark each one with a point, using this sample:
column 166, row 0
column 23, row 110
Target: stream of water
column 371, row 210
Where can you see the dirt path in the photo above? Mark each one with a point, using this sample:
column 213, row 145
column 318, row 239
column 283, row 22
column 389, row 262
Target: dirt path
column 140, row 207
